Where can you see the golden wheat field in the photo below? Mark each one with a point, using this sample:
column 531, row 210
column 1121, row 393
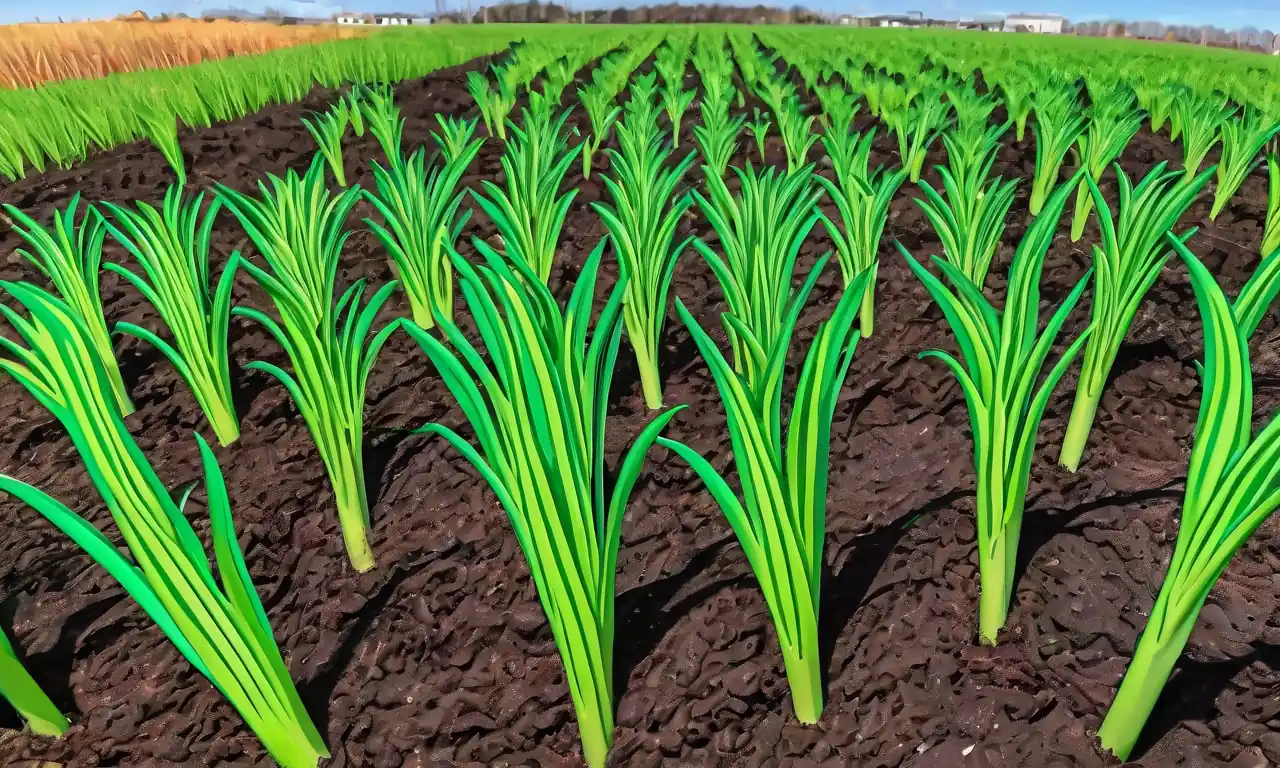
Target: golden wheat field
column 36, row 53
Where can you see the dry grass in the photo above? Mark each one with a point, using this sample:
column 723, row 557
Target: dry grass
column 36, row 53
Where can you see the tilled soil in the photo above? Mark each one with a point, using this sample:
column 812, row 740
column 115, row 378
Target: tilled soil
column 442, row 655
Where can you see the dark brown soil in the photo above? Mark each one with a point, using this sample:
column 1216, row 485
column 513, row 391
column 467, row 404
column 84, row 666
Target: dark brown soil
column 442, row 655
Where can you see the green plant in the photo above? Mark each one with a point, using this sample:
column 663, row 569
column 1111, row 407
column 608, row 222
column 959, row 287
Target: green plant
column 917, row 125
column 1002, row 360
column 862, row 198
column 1201, row 121
column 162, row 128
column 495, row 103
column 598, row 103
column 223, row 631
column 675, row 102
column 760, row 231
column 328, row 128
column 529, row 214
column 297, row 227
column 1257, row 294
column 717, row 136
column 1126, row 263
column 642, row 222
column 969, row 218
column 26, row 696
column 1113, row 122
column 1059, row 124
column 422, row 224
column 384, row 121
column 781, row 523
column 972, row 150
column 1230, row 492
column 71, row 258
column 1271, row 226
column 1242, row 140
column 759, row 127
column 1019, row 101
column 355, row 115
column 172, row 247
column 538, row 408
column 456, row 138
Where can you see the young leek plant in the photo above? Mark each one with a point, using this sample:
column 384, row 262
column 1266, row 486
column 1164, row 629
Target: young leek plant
column 759, row 127
column 781, row 521
column 1242, row 140
column 421, row 225
column 530, row 212
column 70, row 257
column 456, row 138
column 222, row 631
column 1230, row 491
column 917, row 125
column 161, row 126
column 538, row 408
column 717, row 136
column 969, row 220
column 862, row 198
column 297, row 227
column 675, row 102
column 172, row 247
column 385, row 123
column 26, row 696
column 495, row 102
column 760, row 231
column 1113, row 122
column 1001, row 360
column 598, row 102
column 642, row 221
column 1257, row 294
column 1059, row 124
column 328, row 128
column 1126, row 263
column 1202, row 120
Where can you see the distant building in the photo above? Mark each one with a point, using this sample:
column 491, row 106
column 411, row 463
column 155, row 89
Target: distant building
column 398, row 19
column 351, row 18
column 909, row 19
column 1040, row 23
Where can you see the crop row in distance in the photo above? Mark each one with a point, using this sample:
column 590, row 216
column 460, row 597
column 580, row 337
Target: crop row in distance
column 534, row 388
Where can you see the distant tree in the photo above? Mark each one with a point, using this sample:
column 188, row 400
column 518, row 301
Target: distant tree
column 1171, row 35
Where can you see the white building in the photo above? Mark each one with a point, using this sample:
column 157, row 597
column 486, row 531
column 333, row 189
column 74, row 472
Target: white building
column 1041, row 23
column 351, row 18
column 397, row 19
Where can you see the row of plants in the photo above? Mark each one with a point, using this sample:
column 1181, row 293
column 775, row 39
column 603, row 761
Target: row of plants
column 61, row 124
column 534, row 388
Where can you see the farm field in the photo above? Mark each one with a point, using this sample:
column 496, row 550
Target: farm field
column 39, row 53
column 442, row 654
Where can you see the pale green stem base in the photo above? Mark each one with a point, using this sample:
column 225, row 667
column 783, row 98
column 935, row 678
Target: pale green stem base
column 422, row 316
column 353, row 509
column 651, row 385
column 804, row 677
column 226, row 428
column 867, row 312
column 1145, row 679
column 996, row 584
column 1084, row 206
column 1079, row 427
column 26, row 696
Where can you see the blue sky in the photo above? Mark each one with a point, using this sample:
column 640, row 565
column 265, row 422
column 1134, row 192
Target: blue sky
column 1230, row 14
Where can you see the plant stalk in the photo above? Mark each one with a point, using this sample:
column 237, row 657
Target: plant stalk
column 347, row 479
column 26, row 696
column 996, row 586
column 1080, row 425
column 1149, row 671
column 804, row 677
